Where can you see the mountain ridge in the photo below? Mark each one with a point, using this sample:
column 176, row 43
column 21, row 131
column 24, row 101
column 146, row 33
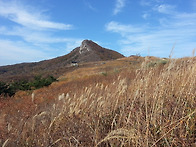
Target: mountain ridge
column 88, row 51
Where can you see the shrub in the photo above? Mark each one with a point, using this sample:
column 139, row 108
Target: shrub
column 157, row 62
column 104, row 73
column 9, row 89
column 41, row 82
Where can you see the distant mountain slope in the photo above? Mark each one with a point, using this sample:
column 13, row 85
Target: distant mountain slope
column 88, row 51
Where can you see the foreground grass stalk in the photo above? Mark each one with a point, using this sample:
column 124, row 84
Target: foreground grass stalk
column 175, row 126
column 145, row 106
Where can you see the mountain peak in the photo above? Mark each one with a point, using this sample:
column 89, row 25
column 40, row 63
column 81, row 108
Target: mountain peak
column 86, row 41
column 85, row 46
column 88, row 51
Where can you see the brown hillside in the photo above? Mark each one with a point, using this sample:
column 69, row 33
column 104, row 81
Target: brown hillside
column 87, row 52
column 134, row 101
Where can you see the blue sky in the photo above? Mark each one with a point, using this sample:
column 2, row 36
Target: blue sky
column 34, row 30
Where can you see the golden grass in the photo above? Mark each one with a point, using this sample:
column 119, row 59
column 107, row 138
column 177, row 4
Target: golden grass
column 146, row 106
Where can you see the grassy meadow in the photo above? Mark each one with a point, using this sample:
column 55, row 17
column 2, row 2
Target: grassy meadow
column 134, row 101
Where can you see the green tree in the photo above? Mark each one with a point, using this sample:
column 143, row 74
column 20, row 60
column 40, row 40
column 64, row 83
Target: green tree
column 38, row 82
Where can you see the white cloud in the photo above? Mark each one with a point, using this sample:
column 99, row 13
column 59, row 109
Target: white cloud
column 41, row 39
column 150, row 2
column 165, row 9
column 30, row 18
column 16, row 52
column 145, row 3
column 179, row 29
column 146, row 15
column 121, row 28
column 34, row 46
column 174, row 28
column 32, row 36
column 90, row 6
column 12, row 52
column 37, row 35
column 119, row 5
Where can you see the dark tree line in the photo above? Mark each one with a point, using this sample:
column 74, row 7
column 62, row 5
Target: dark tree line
column 9, row 89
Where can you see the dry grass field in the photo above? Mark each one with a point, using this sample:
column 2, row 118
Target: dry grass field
column 135, row 101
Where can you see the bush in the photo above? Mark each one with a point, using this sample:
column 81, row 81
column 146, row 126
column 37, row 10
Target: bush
column 3, row 87
column 41, row 82
column 157, row 62
column 104, row 73
column 9, row 89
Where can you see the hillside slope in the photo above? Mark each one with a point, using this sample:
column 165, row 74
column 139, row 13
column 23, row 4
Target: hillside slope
column 133, row 101
column 87, row 52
